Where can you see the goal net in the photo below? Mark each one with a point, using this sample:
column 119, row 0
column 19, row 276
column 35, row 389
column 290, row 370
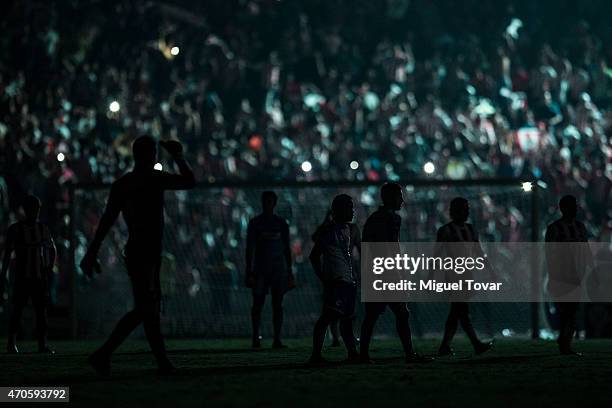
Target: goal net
column 202, row 273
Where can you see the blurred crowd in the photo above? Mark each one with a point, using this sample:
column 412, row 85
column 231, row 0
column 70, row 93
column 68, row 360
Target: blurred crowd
column 309, row 90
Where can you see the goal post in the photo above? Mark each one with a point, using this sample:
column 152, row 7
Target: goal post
column 203, row 260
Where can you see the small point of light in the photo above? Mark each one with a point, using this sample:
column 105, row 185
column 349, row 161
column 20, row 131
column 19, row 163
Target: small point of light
column 175, row 50
column 158, row 166
column 114, row 106
column 354, row 165
column 527, row 186
column 306, row 166
column 429, row 168
column 61, row 157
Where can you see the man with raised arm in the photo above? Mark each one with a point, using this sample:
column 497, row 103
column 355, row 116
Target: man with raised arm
column 139, row 196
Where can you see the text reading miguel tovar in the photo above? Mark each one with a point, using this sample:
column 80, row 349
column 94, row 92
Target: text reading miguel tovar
column 432, row 285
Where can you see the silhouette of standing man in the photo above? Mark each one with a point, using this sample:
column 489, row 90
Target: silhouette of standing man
column 561, row 272
column 332, row 262
column 268, row 265
column 458, row 230
column 384, row 226
column 139, row 196
column 35, row 256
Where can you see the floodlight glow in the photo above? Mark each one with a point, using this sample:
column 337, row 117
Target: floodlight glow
column 429, row 168
column 306, row 166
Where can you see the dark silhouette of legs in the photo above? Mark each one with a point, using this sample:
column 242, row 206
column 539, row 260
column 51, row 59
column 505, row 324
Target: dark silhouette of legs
column 346, row 330
column 147, row 295
column 335, row 333
column 277, row 316
column 258, row 304
column 14, row 325
column 460, row 313
column 320, row 329
column 402, row 325
column 567, row 329
column 20, row 300
column 122, row 330
column 318, row 336
column 372, row 312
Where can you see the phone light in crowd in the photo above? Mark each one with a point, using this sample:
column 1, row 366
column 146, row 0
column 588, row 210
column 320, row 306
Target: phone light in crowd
column 114, row 106
column 175, row 50
column 61, row 157
column 527, row 186
column 429, row 168
column 354, row 165
column 158, row 167
column 306, row 166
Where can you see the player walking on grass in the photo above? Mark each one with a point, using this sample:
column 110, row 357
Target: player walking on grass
column 35, row 256
column 331, row 260
column 268, row 266
column 139, row 196
column 458, row 230
column 384, row 226
column 564, row 270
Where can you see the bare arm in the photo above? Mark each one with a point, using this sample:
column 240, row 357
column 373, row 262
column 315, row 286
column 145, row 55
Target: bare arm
column 185, row 180
column 111, row 213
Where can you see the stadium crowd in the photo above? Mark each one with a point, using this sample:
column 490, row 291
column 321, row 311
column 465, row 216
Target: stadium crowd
column 292, row 90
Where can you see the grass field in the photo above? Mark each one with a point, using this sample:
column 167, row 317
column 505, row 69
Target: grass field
column 227, row 373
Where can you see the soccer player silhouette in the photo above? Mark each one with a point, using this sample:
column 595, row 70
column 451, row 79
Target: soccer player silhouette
column 139, row 196
column 355, row 244
column 458, row 230
column 331, row 260
column 35, row 256
column 268, row 266
column 561, row 274
column 384, row 226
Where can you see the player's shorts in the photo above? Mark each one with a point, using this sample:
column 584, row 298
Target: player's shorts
column 37, row 289
column 276, row 282
column 378, row 308
column 146, row 287
column 340, row 297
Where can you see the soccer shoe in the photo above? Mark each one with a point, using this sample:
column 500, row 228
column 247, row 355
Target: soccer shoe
column 445, row 351
column 570, row 352
column 483, row 348
column 279, row 345
column 46, row 350
column 11, row 348
column 418, row 358
column 100, row 363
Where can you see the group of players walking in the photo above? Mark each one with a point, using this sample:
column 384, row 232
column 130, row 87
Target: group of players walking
column 139, row 196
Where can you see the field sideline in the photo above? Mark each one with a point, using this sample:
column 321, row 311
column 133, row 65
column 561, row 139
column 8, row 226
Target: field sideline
column 227, row 373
